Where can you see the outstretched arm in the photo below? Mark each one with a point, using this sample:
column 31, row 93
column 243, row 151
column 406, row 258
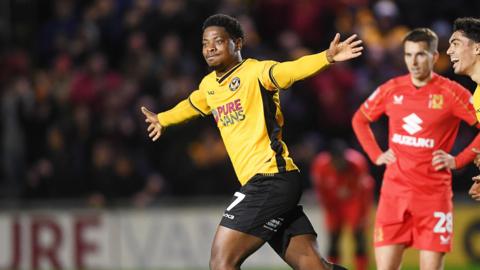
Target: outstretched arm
column 189, row 108
column 284, row 74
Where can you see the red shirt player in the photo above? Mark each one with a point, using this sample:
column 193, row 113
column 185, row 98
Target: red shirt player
column 345, row 189
column 424, row 111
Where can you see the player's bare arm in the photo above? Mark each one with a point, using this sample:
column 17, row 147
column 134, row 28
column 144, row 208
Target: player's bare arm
column 154, row 127
column 386, row 158
column 345, row 50
column 442, row 160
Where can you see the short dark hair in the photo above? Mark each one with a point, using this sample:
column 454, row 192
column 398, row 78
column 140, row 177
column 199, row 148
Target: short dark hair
column 469, row 26
column 425, row 35
column 231, row 25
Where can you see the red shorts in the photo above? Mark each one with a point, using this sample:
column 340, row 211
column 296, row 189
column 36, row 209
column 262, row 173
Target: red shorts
column 422, row 224
column 354, row 213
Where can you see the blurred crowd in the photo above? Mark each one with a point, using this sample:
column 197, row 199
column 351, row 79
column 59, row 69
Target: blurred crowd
column 74, row 74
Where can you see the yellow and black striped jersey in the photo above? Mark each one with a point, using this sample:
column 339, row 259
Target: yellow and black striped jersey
column 246, row 107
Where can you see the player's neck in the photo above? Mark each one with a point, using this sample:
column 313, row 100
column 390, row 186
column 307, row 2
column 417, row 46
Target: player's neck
column 421, row 82
column 225, row 69
column 476, row 72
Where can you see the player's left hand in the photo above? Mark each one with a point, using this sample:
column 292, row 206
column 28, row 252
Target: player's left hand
column 476, row 161
column 443, row 160
column 345, row 50
column 475, row 189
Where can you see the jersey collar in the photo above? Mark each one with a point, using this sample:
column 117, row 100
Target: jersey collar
column 432, row 80
column 228, row 73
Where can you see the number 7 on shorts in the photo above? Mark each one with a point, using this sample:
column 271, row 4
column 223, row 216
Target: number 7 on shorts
column 240, row 197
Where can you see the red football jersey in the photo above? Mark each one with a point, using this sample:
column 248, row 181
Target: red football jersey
column 335, row 187
column 421, row 120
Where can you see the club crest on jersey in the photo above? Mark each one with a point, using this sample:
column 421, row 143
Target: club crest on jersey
column 435, row 102
column 234, row 84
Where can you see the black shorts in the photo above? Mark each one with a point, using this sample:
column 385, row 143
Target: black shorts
column 267, row 207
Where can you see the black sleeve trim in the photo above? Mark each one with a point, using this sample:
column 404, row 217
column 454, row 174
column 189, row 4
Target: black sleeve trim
column 196, row 109
column 270, row 75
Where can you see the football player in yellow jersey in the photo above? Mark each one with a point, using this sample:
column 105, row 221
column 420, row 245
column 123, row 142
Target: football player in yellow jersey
column 242, row 95
column 464, row 52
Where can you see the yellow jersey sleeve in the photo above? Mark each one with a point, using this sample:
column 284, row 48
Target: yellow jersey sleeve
column 283, row 75
column 476, row 102
column 189, row 108
column 265, row 76
column 198, row 100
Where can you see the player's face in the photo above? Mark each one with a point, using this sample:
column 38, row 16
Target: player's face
column 419, row 60
column 462, row 53
column 219, row 49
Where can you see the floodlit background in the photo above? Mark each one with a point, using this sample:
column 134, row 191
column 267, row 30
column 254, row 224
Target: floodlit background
column 81, row 185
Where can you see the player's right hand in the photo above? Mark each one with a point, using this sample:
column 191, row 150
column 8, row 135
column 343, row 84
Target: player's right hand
column 345, row 50
column 386, row 157
column 154, row 127
column 476, row 161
